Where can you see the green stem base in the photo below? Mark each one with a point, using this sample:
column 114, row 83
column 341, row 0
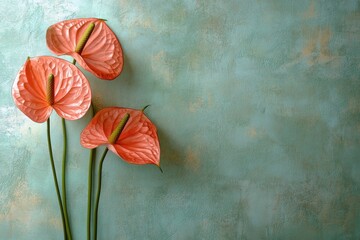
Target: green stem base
column 55, row 177
column 98, row 192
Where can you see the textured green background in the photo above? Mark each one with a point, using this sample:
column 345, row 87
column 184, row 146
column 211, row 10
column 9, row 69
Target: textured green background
column 257, row 105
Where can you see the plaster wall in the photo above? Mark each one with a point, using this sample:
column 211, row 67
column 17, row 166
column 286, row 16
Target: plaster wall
column 257, row 106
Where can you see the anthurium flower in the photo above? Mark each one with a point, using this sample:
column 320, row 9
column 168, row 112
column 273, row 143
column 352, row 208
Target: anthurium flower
column 138, row 142
column 46, row 83
column 90, row 42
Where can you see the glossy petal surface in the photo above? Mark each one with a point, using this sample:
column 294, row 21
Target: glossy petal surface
column 102, row 54
column 72, row 94
column 138, row 143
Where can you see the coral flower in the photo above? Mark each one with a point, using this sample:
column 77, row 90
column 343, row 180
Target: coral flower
column 138, row 142
column 46, row 83
column 90, row 42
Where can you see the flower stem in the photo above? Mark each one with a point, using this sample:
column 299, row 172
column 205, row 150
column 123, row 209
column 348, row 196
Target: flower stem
column 98, row 193
column 90, row 184
column 90, row 179
column 54, row 176
column 112, row 139
column 67, row 224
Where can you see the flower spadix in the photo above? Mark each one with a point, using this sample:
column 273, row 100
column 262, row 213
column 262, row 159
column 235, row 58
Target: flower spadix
column 46, row 83
column 90, row 42
column 127, row 132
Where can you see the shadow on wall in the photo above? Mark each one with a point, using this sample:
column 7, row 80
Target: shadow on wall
column 172, row 156
column 117, row 88
column 127, row 75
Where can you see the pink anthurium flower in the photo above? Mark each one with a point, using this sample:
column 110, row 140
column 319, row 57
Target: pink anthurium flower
column 90, row 42
column 137, row 143
column 46, row 83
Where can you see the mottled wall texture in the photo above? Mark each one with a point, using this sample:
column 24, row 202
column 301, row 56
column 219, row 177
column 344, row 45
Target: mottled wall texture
column 257, row 105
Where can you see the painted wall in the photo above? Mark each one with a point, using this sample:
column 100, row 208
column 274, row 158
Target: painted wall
column 257, row 105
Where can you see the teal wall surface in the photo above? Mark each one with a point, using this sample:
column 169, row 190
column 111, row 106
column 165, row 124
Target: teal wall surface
column 257, row 109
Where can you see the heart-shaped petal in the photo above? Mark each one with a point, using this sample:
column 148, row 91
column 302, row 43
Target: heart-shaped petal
column 72, row 94
column 102, row 54
column 138, row 143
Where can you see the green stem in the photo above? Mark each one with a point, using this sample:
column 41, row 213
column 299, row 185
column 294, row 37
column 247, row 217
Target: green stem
column 98, row 193
column 67, row 224
column 112, row 139
column 90, row 179
column 90, row 184
column 55, row 177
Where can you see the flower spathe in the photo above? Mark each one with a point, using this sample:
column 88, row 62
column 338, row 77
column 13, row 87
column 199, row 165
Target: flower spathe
column 138, row 142
column 46, row 83
column 100, row 52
